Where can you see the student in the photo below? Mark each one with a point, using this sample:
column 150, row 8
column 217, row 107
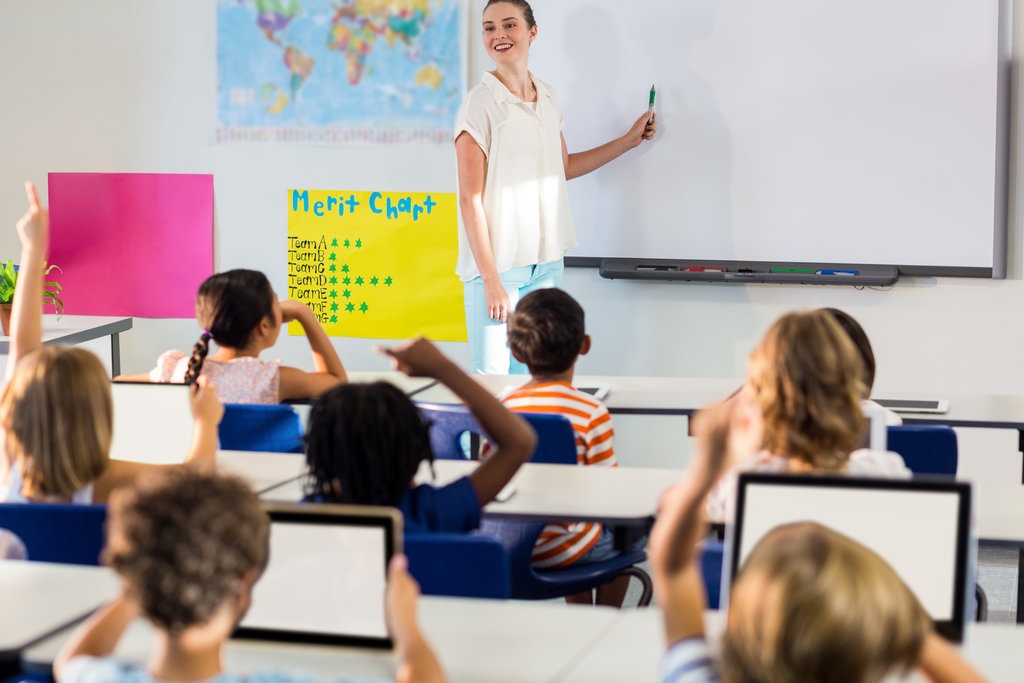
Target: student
column 807, row 378
column 56, row 409
column 365, row 442
column 512, row 168
column 860, row 339
column 189, row 547
column 547, row 333
column 807, row 605
column 239, row 311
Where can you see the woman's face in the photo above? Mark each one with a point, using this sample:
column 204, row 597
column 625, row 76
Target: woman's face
column 506, row 36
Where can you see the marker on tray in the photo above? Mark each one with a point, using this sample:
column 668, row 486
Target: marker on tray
column 838, row 271
column 788, row 269
column 703, row 269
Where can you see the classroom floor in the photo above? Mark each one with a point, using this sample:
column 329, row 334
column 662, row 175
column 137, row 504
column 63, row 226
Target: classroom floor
column 997, row 574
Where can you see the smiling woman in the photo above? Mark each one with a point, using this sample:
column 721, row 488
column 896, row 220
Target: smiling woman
column 513, row 165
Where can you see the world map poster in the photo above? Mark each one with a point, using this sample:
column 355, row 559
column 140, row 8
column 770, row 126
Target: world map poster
column 338, row 71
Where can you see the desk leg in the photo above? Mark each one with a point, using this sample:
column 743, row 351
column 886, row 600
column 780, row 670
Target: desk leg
column 1020, row 593
column 115, row 356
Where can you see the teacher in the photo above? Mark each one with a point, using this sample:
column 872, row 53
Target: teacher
column 513, row 165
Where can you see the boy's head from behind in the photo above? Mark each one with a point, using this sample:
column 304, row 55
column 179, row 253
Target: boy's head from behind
column 187, row 545
column 547, row 333
column 810, row 604
column 364, row 444
column 58, row 415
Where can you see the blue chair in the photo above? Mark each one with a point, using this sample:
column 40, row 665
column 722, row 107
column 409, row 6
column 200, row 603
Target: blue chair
column 276, row 428
column 461, row 565
column 528, row 583
column 711, row 560
column 556, row 440
column 926, row 449
column 55, row 532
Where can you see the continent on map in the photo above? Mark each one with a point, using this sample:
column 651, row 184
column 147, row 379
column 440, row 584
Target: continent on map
column 275, row 15
column 359, row 23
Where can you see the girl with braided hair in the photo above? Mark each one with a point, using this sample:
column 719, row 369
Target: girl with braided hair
column 239, row 311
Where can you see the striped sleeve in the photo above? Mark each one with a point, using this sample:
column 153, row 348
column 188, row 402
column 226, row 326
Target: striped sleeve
column 689, row 661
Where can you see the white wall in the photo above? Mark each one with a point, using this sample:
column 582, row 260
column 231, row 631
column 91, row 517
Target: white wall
column 123, row 86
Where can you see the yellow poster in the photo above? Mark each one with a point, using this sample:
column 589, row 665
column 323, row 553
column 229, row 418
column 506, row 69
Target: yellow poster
column 376, row 264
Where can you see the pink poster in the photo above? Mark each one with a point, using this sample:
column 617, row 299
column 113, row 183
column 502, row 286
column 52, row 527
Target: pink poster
column 134, row 244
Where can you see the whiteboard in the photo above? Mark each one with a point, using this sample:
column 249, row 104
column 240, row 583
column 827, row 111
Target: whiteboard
column 867, row 131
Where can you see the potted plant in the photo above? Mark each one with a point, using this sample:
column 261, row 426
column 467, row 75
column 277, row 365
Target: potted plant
column 9, row 280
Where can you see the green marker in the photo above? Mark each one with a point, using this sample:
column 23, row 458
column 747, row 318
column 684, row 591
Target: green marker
column 650, row 106
column 791, row 270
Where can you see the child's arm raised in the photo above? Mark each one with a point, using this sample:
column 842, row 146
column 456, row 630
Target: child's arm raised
column 329, row 370
column 418, row 663
column 98, row 635
column 27, row 309
column 941, row 663
column 512, row 437
column 722, row 431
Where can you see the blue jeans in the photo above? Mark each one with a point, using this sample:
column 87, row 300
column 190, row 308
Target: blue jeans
column 488, row 338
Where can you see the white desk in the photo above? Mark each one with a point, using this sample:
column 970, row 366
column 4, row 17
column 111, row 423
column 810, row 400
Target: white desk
column 41, row 598
column 627, row 395
column 621, row 495
column 631, row 649
column 265, row 471
column 476, row 640
column 75, row 329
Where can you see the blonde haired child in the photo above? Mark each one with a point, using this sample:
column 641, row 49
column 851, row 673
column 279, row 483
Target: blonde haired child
column 56, row 409
column 807, row 605
column 806, row 377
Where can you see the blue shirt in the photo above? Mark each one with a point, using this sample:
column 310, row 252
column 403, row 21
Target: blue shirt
column 452, row 508
column 84, row 669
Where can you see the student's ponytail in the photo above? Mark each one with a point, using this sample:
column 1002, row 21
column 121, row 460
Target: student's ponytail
column 195, row 361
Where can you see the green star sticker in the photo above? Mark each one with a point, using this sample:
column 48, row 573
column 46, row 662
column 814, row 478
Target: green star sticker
column 359, row 244
column 350, row 307
column 334, row 242
column 347, row 293
column 359, row 280
column 346, row 280
column 333, row 294
column 388, row 281
column 333, row 280
column 374, row 280
column 363, row 307
column 333, row 268
column 332, row 257
column 344, row 268
column 347, row 244
column 334, row 318
column 334, row 306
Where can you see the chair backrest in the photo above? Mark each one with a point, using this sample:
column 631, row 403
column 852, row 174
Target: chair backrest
column 556, row 440
column 276, row 428
column 926, row 449
column 461, row 565
column 712, row 555
column 55, row 532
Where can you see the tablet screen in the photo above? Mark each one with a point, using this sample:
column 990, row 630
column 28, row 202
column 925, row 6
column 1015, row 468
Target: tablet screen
column 921, row 529
column 152, row 422
column 326, row 577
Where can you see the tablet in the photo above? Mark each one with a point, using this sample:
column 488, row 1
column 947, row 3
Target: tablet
column 152, row 422
column 921, row 527
column 598, row 392
column 903, row 405
column 326, row 577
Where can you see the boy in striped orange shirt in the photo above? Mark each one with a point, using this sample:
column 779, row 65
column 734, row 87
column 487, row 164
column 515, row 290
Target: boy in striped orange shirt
column 546, row 332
